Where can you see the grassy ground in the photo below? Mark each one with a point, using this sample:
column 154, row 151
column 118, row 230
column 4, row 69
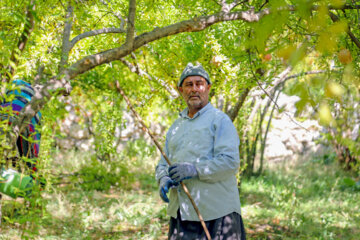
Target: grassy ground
column 308, row 200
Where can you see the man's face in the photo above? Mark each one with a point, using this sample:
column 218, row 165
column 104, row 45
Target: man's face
column 195, row 91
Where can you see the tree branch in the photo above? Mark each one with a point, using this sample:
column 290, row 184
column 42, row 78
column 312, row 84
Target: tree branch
column 304, row 73
column 192, row 25
column 277, row 80
column 275, row 103
column 131, row 24
column 39, row 74
column 335, row 18
column 282, row 80
column 344, row 7
column 228, row 7
column 66, row 47
column 217, row 2
column 235, row 110
column 60, row 84
column 115, row 13
column 94, row 33
column 141, row 73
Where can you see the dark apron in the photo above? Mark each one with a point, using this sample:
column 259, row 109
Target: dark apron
column 229, row 227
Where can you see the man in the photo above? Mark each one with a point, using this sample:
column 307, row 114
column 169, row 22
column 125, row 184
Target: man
column 202, row 146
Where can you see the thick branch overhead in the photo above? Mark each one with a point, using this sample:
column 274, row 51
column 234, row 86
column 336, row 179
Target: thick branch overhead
column 133, row 42
column 94, row 33
column 193, row 25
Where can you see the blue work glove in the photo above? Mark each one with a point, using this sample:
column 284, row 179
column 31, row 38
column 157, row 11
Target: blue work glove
column 182, row 171
column 165, row 184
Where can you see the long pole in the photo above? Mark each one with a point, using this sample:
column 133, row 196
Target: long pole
column 146, row 129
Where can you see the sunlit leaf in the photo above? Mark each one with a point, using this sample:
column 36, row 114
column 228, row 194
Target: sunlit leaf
column 338, row 27
column 324, row 114
column 300, row 105
column 318, row 22
column 349, row 76
column 317, row 82
column 298, row 55
column 285, row 52
column 304, row 8
column 337, row 3
column 326, row 43
column 334, row 90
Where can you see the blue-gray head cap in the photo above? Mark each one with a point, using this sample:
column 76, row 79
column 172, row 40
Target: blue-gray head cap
column 192, row 70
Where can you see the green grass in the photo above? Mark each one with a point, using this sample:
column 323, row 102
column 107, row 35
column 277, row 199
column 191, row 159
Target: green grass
column 306, row 200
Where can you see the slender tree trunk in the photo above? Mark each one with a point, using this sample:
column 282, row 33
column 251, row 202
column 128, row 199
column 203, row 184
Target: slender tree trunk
column 263, row 143
column 66, row 39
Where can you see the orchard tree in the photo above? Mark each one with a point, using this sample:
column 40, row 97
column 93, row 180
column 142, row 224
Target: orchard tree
column 247, row 46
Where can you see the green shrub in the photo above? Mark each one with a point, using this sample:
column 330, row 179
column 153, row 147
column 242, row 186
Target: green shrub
column 99, row 175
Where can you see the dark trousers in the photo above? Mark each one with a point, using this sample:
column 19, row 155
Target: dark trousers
column 229, row 227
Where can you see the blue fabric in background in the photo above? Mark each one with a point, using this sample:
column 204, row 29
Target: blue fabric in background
column 22, row 95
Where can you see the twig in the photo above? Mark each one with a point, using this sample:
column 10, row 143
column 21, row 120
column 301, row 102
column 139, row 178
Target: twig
column 287, row 114
column 225, row 7
column 141, row 73
column 146, row 129
column 263, row 5
column 282, row 80
column 0, row 209
column 281, row 76
column 335, row 18
column 115, row 14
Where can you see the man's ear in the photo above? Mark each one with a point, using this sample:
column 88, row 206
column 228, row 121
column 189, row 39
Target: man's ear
column 209, row 86
column 180, row 89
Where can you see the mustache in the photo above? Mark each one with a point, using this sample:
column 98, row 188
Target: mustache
column 195, row 95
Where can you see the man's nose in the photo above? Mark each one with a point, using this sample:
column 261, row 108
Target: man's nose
column 195, row 88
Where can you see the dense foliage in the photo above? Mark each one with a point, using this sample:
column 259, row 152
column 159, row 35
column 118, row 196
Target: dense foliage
column 75, row 51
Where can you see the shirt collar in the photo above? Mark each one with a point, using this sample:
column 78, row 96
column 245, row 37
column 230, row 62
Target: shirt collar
column 184, row 114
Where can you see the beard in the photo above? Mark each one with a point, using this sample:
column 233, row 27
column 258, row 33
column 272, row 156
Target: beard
column 195, row 103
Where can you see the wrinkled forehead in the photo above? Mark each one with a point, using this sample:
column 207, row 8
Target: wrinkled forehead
column 194, row 79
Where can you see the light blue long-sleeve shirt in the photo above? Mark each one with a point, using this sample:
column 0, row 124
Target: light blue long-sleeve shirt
column 208, row 140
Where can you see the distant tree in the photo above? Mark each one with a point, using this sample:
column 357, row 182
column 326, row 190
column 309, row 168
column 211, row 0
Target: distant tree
column 246, row 45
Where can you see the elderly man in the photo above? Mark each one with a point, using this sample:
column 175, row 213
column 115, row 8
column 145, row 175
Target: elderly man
column 202, row 145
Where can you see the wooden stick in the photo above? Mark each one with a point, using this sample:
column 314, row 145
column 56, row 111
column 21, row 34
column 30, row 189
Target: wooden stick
column 0, row 209
column 146, row 129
